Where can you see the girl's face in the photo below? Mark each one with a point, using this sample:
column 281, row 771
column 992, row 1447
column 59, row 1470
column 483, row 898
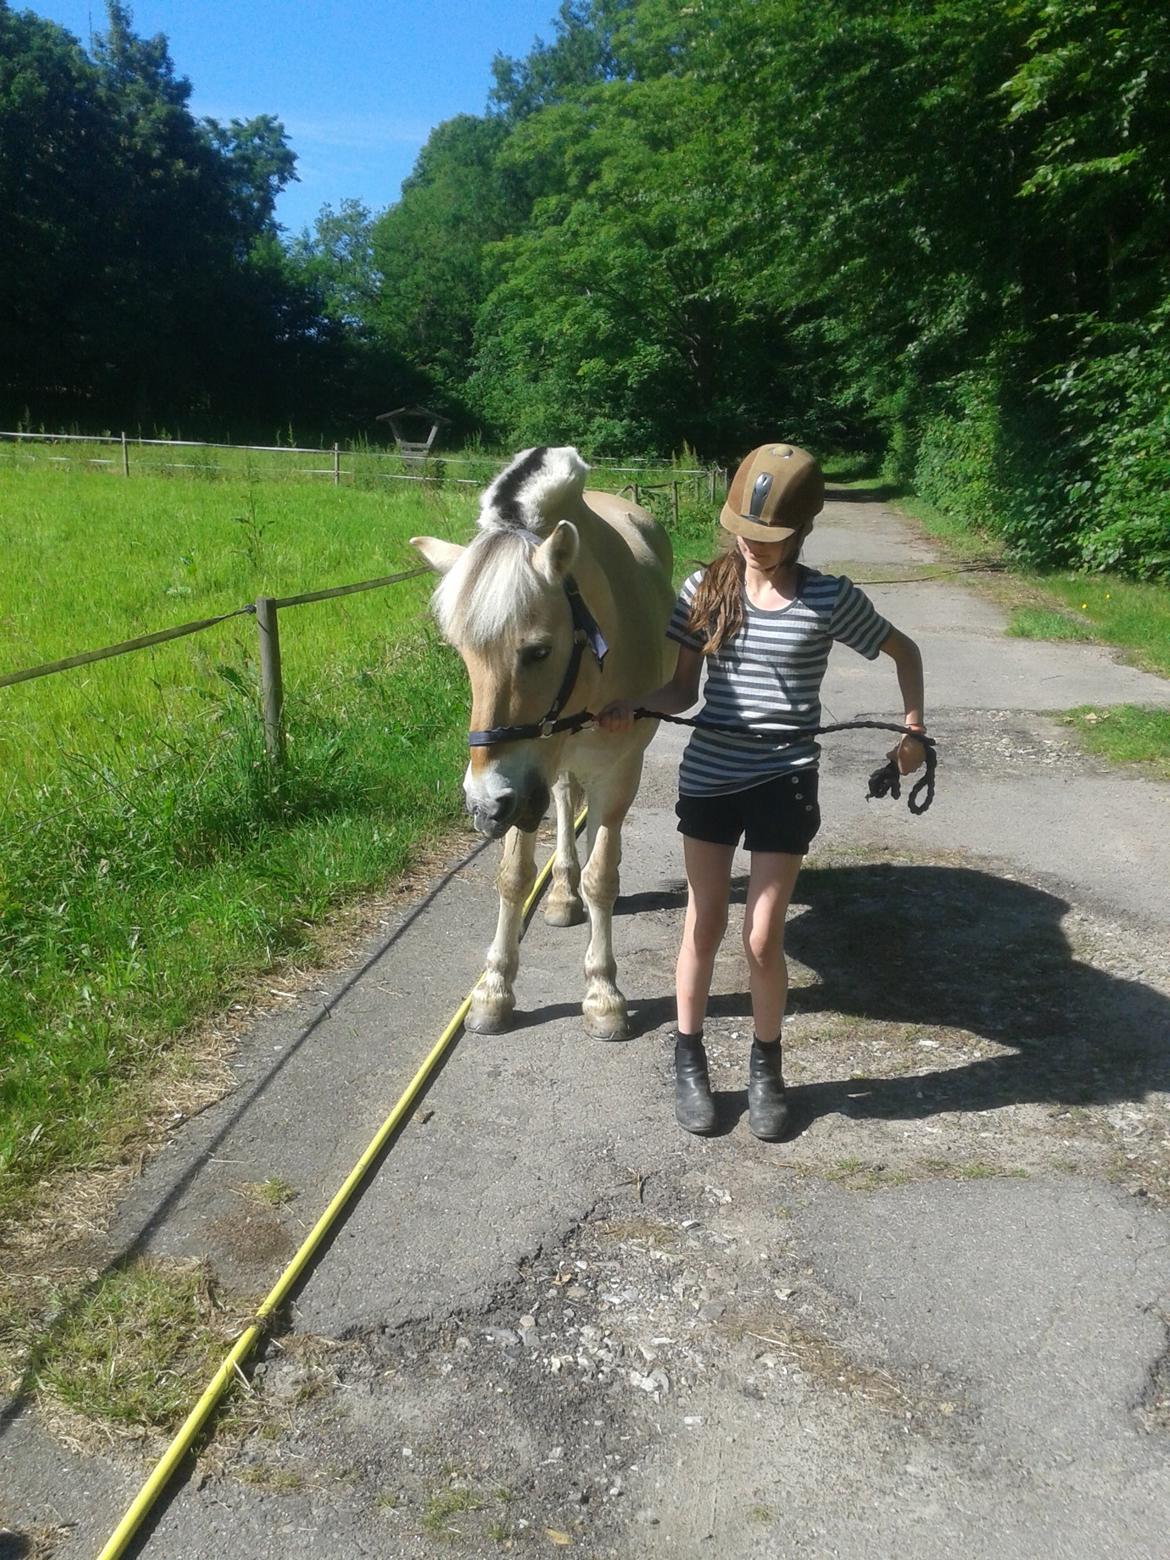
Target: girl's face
column 766, row 556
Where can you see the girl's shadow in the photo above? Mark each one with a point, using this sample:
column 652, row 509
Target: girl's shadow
column 938, row 947
column 952, row 947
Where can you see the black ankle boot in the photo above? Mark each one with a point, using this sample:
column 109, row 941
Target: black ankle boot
column 767, row 1102
column 694, row 1108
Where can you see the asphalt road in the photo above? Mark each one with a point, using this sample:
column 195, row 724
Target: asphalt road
column 933, row 1322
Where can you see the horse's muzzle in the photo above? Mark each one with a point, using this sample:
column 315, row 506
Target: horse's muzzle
column 506, row 810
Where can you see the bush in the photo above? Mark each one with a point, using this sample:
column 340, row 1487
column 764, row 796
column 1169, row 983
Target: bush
column 1116, row 402
column 979, row 452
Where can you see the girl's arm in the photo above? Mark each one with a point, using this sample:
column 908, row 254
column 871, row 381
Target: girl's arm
column 909, row 754
column 672, row 698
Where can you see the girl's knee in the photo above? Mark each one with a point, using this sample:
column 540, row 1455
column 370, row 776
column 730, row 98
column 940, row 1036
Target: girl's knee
column 706, row 933
column 764, row 946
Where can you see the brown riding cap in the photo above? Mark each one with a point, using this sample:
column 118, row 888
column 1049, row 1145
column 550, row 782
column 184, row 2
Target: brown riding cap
column 776, row 490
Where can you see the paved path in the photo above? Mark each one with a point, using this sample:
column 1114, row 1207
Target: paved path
column 935, row 1322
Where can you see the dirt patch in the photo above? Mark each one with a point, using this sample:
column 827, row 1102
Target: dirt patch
column 35, row 1543
column 540, row 1414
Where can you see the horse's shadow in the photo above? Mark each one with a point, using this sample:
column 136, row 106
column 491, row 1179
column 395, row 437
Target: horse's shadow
column 939, row 947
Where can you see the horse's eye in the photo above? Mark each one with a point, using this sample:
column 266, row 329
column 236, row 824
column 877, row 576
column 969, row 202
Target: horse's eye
column 530, row 654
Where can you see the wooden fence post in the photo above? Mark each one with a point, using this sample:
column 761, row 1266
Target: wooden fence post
column 125, row 456
column 634, row 485
column 336, row 465
column 711, row 485
column 271, row 681
column 674, row 502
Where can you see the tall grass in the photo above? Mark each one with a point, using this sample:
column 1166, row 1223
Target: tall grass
column 150, row 858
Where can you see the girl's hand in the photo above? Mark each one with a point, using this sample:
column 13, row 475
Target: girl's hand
column 909, row 754
column 617, row 716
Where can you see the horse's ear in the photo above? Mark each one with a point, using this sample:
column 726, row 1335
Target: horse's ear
column 439, row 554
column 555, row 556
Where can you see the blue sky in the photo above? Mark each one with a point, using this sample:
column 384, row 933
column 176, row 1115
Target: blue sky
column 358, row 86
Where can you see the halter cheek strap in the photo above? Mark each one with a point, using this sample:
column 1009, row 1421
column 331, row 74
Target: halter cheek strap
column 585, row 632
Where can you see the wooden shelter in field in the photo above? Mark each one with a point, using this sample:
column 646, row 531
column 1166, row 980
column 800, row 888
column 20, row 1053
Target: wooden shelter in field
column 407, row 424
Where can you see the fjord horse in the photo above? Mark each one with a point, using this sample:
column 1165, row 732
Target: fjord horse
column 557, row 605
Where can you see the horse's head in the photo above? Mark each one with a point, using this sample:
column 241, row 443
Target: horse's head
column 502, row 603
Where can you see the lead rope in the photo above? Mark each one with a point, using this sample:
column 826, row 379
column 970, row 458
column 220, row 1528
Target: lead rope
column 886, row 781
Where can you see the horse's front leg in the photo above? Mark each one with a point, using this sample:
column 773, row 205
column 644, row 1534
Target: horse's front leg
column 494, row 1000
column 563, row 905
column 604, row 1007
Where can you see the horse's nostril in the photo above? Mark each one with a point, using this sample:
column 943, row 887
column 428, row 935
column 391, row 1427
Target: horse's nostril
column 502, row 806
column 494, row 810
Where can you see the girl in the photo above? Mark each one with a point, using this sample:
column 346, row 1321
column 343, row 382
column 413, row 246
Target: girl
column 765, row 624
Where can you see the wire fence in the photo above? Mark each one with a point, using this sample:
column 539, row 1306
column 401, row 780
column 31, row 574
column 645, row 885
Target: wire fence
column 264, row 609
column 647, row 486
column 126, row 455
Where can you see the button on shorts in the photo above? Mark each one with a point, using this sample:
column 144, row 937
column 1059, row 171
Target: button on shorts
column 781, row 815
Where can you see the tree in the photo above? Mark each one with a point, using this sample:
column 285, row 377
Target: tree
column 52, row 133
column 428, row 250
column 256, row 164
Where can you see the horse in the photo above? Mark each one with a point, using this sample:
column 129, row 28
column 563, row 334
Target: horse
column 561, row 598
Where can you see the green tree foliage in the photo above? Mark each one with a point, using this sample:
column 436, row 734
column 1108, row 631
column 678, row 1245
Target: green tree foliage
column 141, row 280
column 338, row 258
column 53, row 135
column 938, row 230
column 428, row 251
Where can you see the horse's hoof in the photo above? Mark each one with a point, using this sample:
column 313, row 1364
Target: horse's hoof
column 564, row 912
column 607, row 1026
column 483, row 1021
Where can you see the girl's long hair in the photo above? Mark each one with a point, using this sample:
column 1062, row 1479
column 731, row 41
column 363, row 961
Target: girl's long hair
column 717, row 610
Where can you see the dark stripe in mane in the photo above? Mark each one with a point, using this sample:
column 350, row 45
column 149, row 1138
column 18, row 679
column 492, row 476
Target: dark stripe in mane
column 506, row 499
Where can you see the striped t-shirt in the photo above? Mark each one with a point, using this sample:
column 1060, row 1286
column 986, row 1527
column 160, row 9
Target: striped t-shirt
column 768, row 676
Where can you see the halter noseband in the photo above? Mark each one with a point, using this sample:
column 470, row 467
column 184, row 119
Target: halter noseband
column 585, row 632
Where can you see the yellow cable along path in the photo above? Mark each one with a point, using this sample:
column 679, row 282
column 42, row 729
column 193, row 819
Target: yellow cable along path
column 247, row 1341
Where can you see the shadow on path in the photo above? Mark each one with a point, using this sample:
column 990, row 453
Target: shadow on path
column 953, row 947
column 874, row 493
column 957, row 948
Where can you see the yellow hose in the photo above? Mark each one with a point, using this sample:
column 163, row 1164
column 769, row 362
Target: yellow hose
column 246, row 1342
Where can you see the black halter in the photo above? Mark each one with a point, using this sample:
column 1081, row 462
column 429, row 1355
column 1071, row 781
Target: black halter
column 585, row 632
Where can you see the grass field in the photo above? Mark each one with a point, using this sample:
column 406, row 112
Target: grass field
column 1125, row 733
column 151, row 861
column 359, row 464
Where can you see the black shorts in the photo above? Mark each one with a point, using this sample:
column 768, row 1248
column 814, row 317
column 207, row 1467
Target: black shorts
column 780, row 815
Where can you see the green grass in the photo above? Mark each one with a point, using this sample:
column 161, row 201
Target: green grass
column 1125, row 733
column 1047, row 623
column 151, row 862
column 443, row 1506
column 137, row 1347
column 91, row 561
column 1127, row 613
column 273, row 1193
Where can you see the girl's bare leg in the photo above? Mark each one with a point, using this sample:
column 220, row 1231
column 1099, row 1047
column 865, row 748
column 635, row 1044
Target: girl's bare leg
column 770, row 884
column 708, row 869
